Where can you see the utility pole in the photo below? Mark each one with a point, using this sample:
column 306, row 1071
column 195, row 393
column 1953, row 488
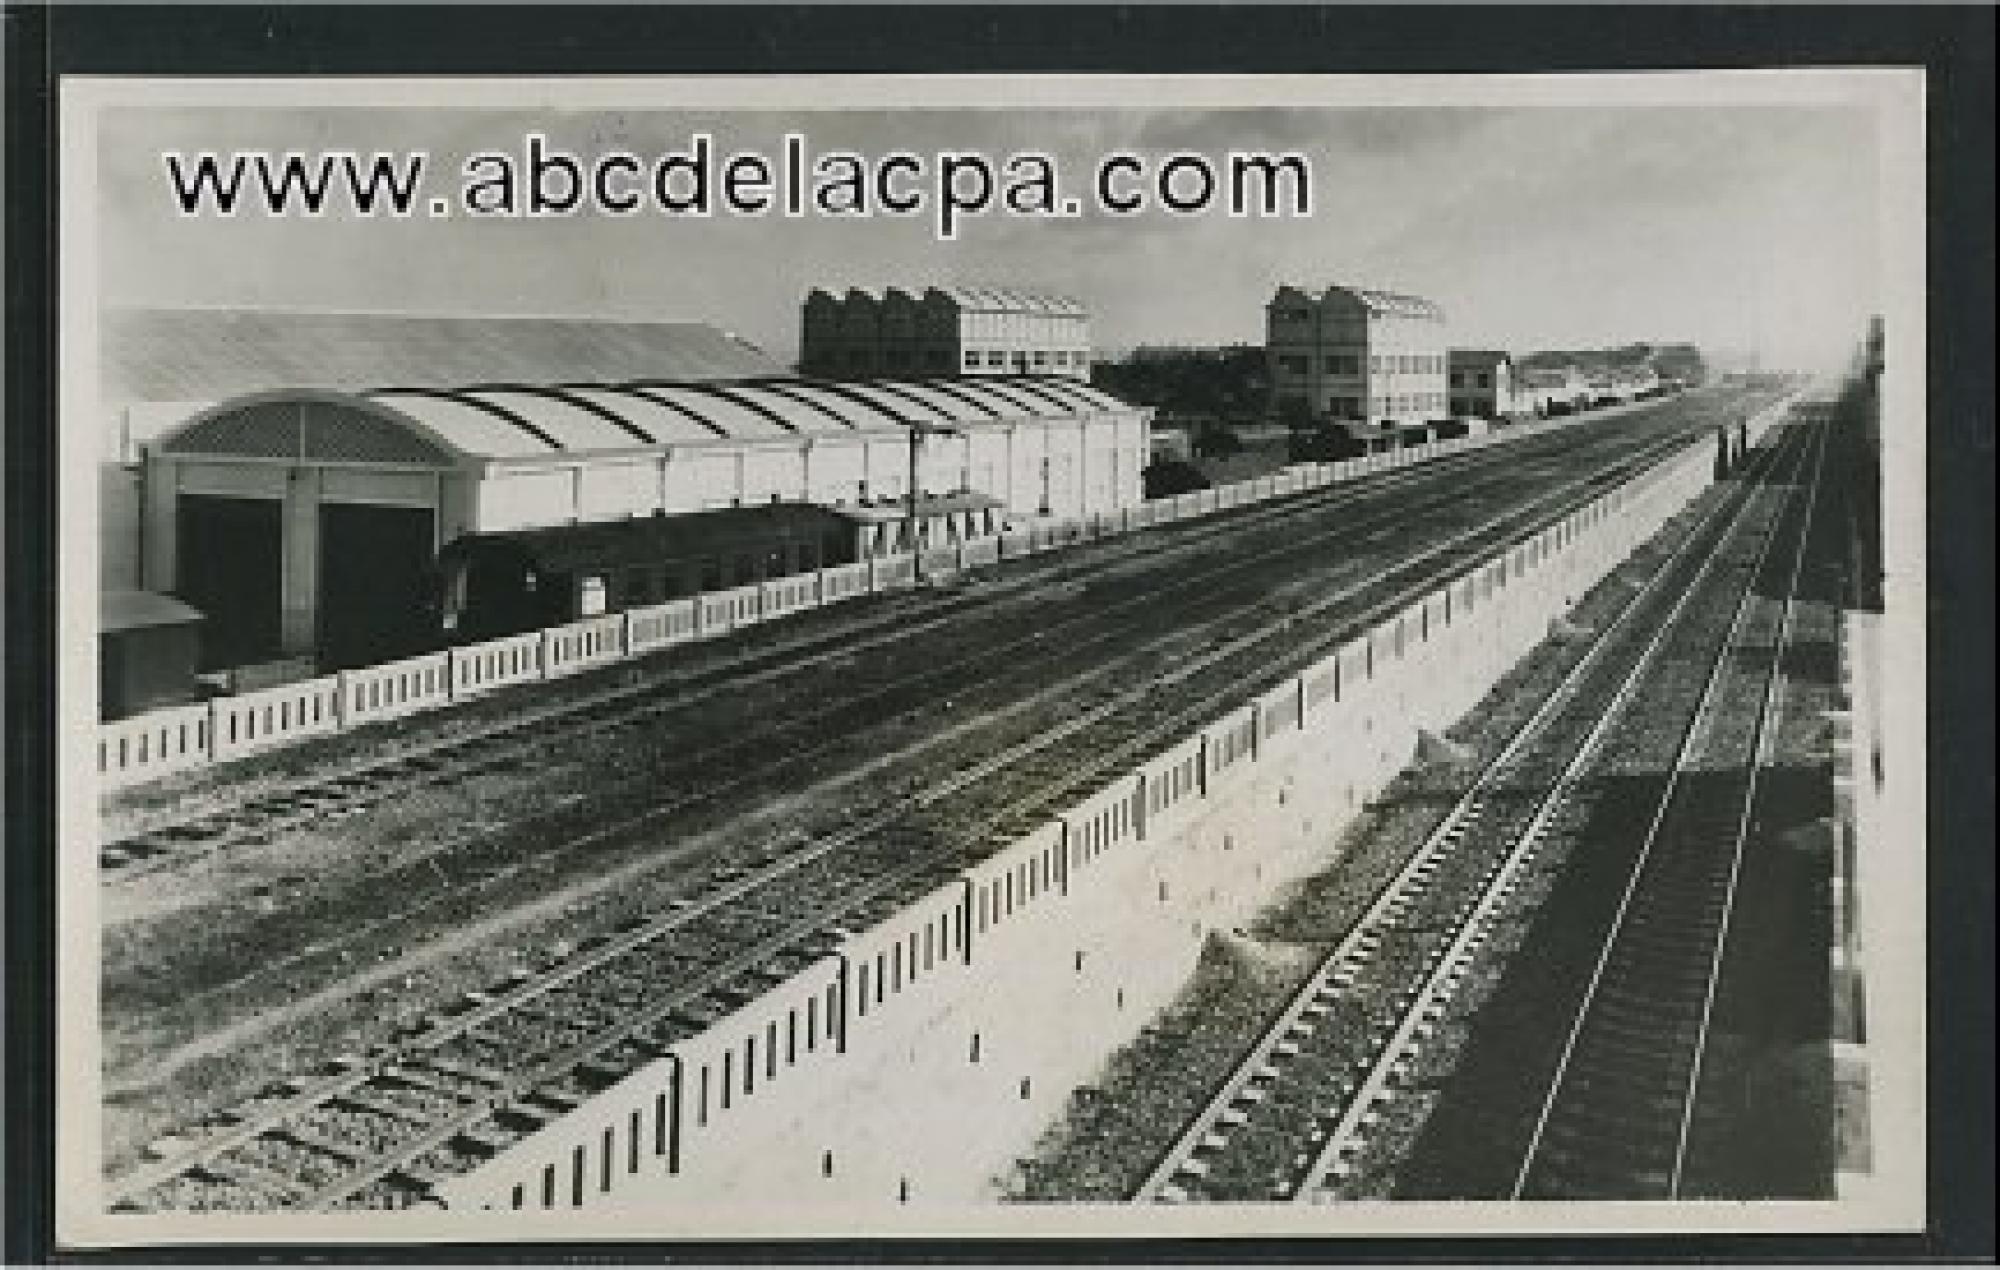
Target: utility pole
column 918, row 431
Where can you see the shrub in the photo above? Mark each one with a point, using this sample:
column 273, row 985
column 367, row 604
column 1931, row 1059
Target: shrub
column 1169, row 477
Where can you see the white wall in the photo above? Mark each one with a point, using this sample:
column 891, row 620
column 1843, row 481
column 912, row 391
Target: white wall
column 1108, row 915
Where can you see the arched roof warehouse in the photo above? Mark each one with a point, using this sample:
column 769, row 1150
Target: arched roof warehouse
column 430, row 426
column 285, row 514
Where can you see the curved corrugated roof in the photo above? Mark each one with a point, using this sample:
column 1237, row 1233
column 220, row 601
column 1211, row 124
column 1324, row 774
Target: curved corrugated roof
column 526, row 421
column 1007, row 392
column 860, row 415
column 466, row 425
column 957, row 390
column 896, row 405
column 739, row 420
column 1079, row 395
column 660, row 420
column 572, row 423
column 957, row 407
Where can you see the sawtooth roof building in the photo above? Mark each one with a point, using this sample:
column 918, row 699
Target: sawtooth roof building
column 864, row 332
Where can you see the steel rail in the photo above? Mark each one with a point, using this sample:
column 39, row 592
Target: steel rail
column 1438, row 987
column 139, row 1180
column 1760, row 755
column 1365, row 928
column 1691, row 739
column 465, row 754
column 922, row 866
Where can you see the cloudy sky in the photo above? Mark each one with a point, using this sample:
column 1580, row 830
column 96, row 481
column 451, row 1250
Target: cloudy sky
column 1735, row 227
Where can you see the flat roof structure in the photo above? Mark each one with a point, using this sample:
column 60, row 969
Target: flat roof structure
column 125, row 610
column 207, row 355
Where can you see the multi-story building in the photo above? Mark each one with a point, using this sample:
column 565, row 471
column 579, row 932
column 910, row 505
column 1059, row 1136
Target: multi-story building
column 1354, row 355
column 1482, row 383
column 867, row 332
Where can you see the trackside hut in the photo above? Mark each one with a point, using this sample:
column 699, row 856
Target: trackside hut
column 312, row 521
column 146, row 652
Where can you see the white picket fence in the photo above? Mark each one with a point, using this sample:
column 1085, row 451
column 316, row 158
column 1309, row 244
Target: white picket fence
column 133, row 750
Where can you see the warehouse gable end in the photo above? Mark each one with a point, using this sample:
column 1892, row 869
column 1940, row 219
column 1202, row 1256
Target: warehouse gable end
column 312, row 427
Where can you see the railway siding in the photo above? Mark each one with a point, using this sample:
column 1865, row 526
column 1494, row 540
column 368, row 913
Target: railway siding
column 1089, row 923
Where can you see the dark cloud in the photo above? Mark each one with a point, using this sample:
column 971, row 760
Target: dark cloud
column 1370, row 132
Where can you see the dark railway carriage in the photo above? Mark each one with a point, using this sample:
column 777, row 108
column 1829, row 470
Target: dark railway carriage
column 497, row 584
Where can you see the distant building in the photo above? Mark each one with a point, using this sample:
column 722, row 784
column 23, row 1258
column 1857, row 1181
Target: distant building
column 1612, row 385
column 897, row 332
column 1144, row 354
column 1550, row 390
column 1482, row 383
column 1372, row 358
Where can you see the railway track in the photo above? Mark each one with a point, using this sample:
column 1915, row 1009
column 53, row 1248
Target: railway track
column 631, row 707
column 1636, row 1047
column 376, row 1131
column 636, row 700
column 1530, row 1111
column 684, row 783
column 749, row 752
column 1306, row 1105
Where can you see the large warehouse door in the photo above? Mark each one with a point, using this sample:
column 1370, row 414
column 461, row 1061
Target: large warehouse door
column 375, row 590
column 230, row 566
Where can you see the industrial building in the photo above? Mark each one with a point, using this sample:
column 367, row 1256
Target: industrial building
column 871, row 332
column 1482, row 383
column 162, row 367
column 311, row 521
column 1370, row 359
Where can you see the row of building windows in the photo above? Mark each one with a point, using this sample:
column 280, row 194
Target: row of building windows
column 1471, row 379
column 1357, row 326
column 1389, row 404
column 1077, row 358
column 939, row 359
column 1405, row 403
column 1408, row 364
column 1380, row 364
